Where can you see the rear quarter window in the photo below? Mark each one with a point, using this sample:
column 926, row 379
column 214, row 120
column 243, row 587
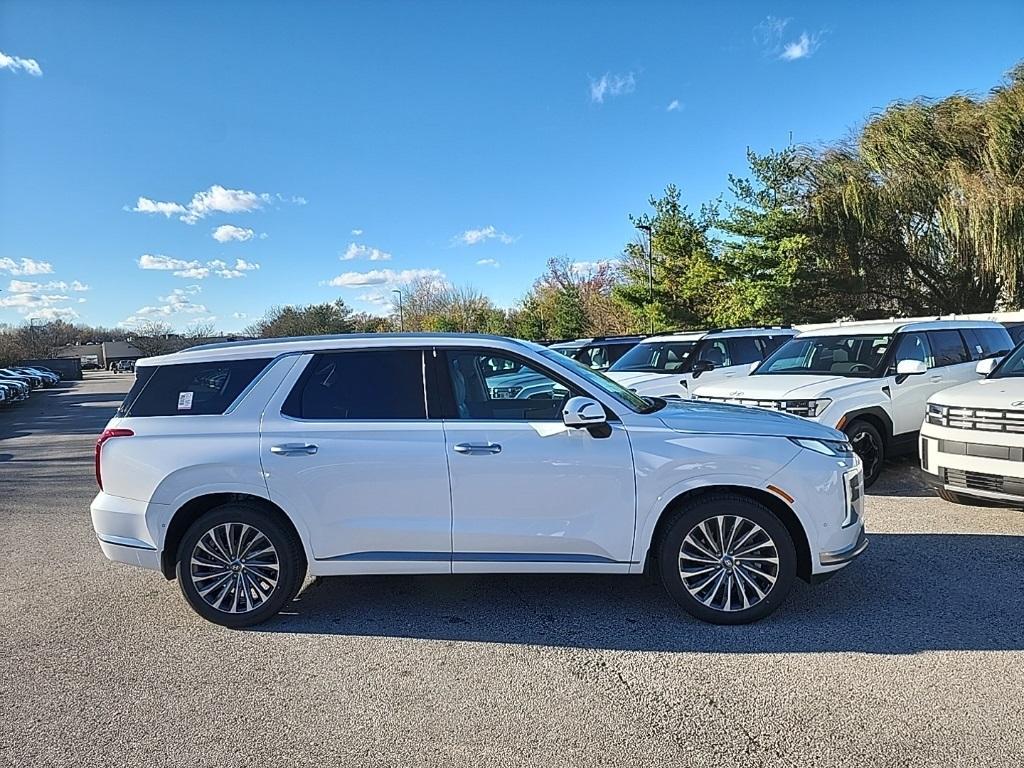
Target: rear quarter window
column 192, row 389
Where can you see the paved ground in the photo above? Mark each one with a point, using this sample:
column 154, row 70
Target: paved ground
column 913, row 656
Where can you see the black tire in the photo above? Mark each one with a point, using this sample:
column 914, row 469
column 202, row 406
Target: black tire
column 256, row 575
column 704, row 510
column 869, row 444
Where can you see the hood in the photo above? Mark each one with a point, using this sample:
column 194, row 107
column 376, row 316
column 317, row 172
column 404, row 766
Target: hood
column 779, row 386
column 997, row 394
column 728, row 419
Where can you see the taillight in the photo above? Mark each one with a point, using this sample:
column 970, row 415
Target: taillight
column 107, row 435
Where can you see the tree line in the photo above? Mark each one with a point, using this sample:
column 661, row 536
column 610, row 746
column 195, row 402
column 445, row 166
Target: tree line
column 920, row 212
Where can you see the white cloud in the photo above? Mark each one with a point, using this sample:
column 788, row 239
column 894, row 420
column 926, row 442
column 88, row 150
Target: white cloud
column 38, row 300
column 358, row 251
column 25, row 267
column 177, row 302
column 239, row 315
column 216, row 199
column 377, row 298
column 145, row 205
column 228, row 232
column 587, row 267
column 482, row 235
column 674, row 106
column 769, row 34
column 15, row 63
column 357, row 232
column 27, row 286
column 801, row 48
column 196, row 270
column 156, row 261
column 78, row 286
column 611, row 84
column 488, row 263
column 382, row 277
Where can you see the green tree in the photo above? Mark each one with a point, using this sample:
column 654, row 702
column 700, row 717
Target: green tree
column 309, row 320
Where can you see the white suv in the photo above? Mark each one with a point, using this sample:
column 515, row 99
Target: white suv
column 869, row 379
column 972, row 439
column 670, row 364
column 238, row 468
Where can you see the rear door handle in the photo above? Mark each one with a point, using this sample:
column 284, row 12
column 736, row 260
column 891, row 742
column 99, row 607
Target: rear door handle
column 294, row 449
column 477, row 449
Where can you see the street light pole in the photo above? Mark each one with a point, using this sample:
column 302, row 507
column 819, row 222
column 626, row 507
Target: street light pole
column 401, row 311
column 650, row 271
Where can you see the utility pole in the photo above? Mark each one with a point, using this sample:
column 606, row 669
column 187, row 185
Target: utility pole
column 650, row 271
column 401, row 311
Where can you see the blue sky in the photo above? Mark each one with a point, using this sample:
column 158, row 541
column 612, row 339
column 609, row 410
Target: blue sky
column 471, row 140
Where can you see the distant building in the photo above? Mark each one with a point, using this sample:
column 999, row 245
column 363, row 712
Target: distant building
column 104, row 354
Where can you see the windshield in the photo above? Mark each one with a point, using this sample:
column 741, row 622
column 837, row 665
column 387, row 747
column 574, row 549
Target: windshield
column 854, row 356
column 657, row 357
column 625, row 396
column 1012, row 366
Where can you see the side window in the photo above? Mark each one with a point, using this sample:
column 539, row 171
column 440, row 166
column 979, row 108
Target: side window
column 994, row 341
column 597, row 357
column 743, row 350
column 715, row 352
column 370, row 384
column 912, row 346
column 193, row 389
column 615, row 351
column 529, row 394
column 948, row 348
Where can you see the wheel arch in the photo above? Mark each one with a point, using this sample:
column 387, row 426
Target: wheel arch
column 876, row 417
column 777, row 505
column 194, row 508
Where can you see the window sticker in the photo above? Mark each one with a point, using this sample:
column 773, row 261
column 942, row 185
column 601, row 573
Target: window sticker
column 185, row 401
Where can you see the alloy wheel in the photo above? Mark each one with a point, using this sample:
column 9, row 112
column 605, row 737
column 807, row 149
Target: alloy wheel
column 728, row 563
column 234, row 567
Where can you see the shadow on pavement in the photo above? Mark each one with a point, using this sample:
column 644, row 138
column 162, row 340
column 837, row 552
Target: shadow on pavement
column 909, row 593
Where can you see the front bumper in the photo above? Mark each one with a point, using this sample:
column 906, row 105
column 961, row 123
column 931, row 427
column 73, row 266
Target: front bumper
column 847, row 555
column 988, row 469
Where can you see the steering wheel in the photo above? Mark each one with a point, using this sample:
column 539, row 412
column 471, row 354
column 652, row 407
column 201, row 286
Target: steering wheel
column 857, row 367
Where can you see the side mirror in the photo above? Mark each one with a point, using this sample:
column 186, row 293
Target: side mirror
column 702, row 366
column 986, row 366
column 905, row 368
column 582, row 412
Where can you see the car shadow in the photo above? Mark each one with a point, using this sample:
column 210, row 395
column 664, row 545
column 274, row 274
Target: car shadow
column 900, row 477
column 906, row 594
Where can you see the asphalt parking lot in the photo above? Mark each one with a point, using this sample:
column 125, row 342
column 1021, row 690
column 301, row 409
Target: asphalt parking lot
column 912, row 656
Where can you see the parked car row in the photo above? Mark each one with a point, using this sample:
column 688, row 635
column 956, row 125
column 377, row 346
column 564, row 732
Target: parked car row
column 17, row 382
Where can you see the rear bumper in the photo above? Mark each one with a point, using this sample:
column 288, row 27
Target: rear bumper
column 122, row 529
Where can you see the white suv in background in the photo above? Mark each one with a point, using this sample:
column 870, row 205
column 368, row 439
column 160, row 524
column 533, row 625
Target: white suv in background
column 238, row 468
column 869, row 379
column 972, row 439
column 671, row 364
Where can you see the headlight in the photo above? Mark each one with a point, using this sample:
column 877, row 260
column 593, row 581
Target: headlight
column 808, row 408
column 838, row 448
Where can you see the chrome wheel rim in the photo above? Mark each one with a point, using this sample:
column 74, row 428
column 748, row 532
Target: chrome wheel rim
column 728, row 563
column 234, row 568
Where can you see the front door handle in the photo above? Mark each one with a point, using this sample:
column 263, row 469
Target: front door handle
column 477, row 449
column 294, row 449
column 936, row 379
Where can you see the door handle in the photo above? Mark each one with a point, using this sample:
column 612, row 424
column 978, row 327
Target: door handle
column 936, row 378
column 477, row 449
column 294, row 449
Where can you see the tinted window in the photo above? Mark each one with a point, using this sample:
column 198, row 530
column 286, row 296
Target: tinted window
column 194, row 389
column 480, row 390
column 769, row 344
column 948, row 348
column 715, row 352
column 744, row 350
column 371, row 384
column 912, row 346
column 986, row 342
column 657, row 357
column 1016, row 333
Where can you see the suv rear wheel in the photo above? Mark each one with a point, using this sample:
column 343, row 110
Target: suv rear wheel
column 238, row 566
column 867, row 443
column 726, row 559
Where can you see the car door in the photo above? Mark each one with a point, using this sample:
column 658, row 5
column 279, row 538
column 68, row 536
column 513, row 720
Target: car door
column 910, row 396
column 347, row 445
column 529, row 493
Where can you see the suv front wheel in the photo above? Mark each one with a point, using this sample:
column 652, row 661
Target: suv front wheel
column 727, row 559
column 238, row 565
column 867, row 443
